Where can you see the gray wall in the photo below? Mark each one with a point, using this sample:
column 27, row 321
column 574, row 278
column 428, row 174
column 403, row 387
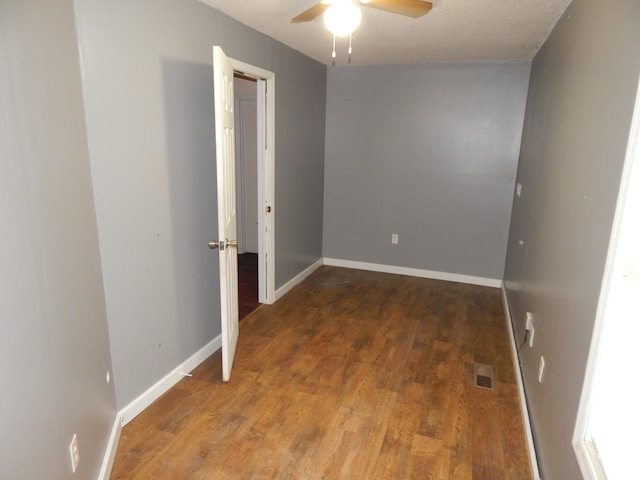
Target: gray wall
column 54, row 345
column 149, row 106
column 579, row 109
column 428, row 152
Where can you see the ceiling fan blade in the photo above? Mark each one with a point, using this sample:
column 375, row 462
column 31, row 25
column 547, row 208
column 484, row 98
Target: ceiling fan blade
column 409, row 8
column 311, row 13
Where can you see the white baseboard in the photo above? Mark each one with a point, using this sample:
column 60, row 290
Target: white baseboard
column 533, row 460
column 110, row 451
column 132, row 410
column 415, row 272
column 297, row 279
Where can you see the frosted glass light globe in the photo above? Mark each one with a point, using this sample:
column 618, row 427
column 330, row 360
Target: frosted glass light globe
column 342, row 18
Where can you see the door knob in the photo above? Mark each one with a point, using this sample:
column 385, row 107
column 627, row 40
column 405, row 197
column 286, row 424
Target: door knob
column 213, row 244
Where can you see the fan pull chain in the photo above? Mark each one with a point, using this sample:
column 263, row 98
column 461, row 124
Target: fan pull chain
column 333, row 52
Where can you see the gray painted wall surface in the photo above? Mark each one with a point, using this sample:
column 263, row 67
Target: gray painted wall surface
column 149, row 107
column 54, row 344
column 428, row 152
column 579, row 110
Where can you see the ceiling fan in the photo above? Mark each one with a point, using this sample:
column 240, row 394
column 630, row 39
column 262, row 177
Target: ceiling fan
column 342, row 17
column 409, row 8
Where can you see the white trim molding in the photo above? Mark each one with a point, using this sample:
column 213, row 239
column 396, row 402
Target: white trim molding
column 526, row 421
column 110, row 451
column 266, row 127
column 298, row 279
column 589, row 460
column 136, row 407
column 415, row 272
column 584, row 443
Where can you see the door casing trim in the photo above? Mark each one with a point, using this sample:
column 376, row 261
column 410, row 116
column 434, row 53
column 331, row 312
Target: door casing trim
column 266, row 177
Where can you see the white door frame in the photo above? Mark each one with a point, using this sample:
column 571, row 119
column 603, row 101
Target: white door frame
column 266, row 175
column 584, row 446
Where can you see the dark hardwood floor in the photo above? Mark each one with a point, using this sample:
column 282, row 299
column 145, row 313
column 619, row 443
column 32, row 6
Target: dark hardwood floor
column 351, row 375
column 247, row 284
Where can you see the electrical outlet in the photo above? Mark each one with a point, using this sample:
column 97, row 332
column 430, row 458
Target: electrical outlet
column 518, row 189
column 394, row 238
column 74, row 452
column 529, row 321
column 541, row 366
column 530, row 328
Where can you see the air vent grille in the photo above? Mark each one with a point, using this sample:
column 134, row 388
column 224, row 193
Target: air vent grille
column 483, row 376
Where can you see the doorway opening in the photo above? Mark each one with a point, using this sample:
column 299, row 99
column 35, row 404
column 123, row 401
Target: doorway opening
column 605, row 438
column 254, row 125
column 246, row 126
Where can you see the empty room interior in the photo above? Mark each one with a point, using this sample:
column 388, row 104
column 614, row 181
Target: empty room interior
column 434, row 217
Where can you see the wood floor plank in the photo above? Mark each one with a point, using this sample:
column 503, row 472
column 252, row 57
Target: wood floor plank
column 352, row 375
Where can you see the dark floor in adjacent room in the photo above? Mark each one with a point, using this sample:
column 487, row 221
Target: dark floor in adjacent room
column 247, row 284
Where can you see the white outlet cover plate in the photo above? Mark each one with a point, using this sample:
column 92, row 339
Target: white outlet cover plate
column 541, row 366
column 529, row 320
column 74, row 452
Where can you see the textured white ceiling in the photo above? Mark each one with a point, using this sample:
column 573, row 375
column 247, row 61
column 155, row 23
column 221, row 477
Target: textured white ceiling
column 454, row 30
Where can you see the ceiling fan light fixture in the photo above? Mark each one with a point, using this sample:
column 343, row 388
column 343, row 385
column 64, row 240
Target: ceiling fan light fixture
column 342, row 18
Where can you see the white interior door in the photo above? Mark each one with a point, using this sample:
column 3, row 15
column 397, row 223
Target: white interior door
column 246, row 167
column 250, row 173
column 227, row 234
